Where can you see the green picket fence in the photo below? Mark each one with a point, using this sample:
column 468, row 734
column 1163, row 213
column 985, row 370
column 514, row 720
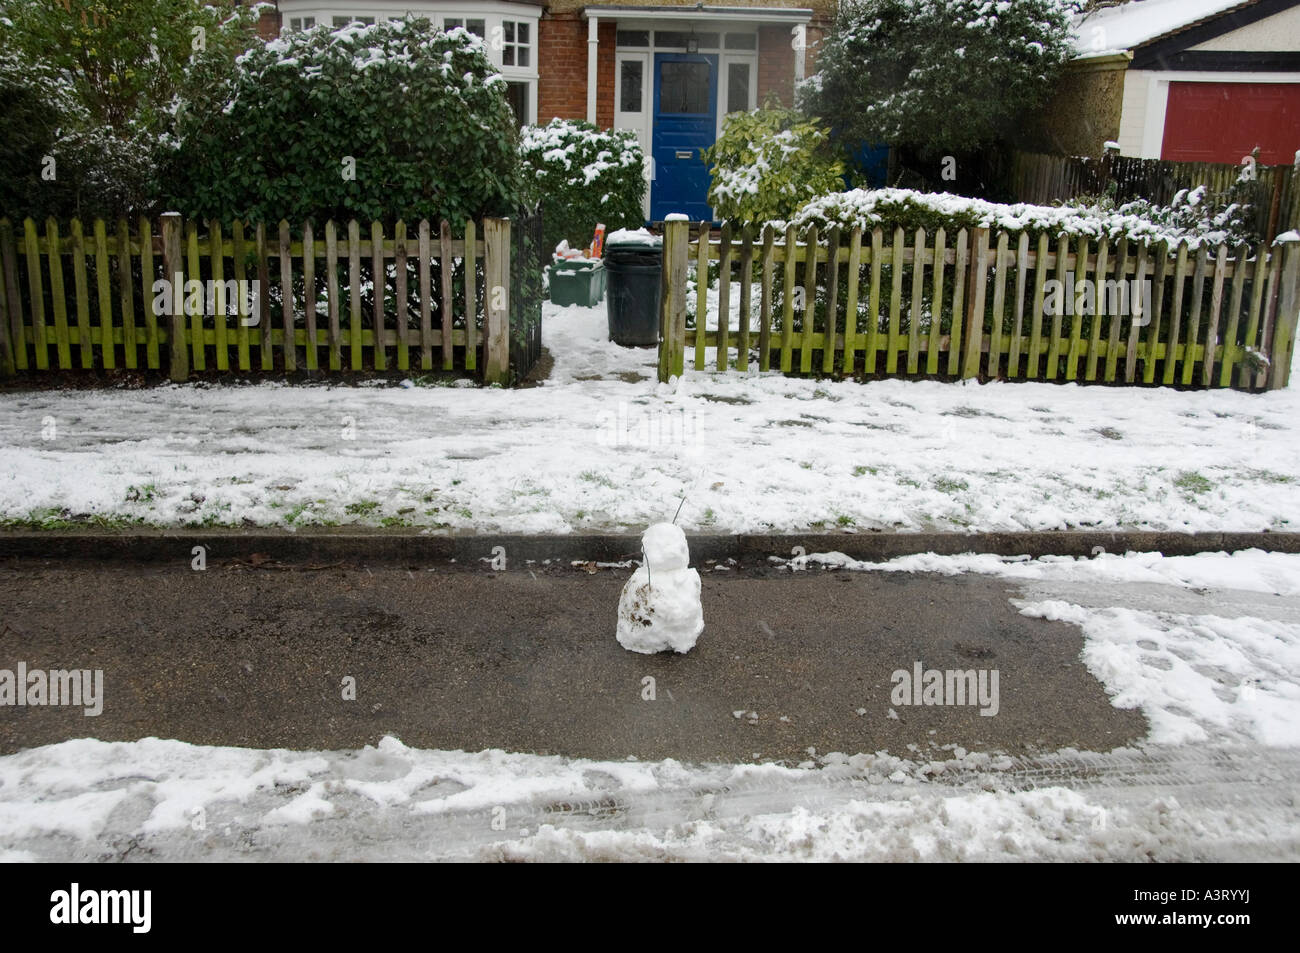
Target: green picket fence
column 341, row 300
column 981, row 304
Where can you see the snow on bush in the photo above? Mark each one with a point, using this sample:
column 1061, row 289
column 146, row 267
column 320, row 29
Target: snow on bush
column 395, row 120
column 583, row 176
column 1189, row 218
column 768, row 163
column 944, row 76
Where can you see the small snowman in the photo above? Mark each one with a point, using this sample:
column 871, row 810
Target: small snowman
column 660, row 607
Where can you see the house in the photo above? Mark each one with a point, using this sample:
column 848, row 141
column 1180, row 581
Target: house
column 1182, row 80
column 670, row 71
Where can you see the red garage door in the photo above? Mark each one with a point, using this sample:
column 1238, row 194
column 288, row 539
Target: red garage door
column 1221, row 122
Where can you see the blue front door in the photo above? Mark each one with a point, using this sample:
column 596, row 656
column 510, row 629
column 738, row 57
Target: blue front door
column 685, row 121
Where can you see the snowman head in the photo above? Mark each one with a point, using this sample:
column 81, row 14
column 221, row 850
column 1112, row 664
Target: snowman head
column 664, row 545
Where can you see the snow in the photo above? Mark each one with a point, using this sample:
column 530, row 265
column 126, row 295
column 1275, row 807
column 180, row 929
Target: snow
column 602, row 446
column 562, row 142
column 93, row 800
column 660, row 608
column 665, row 549
column 633, row 236
column 869, row 208
column 1124, row 27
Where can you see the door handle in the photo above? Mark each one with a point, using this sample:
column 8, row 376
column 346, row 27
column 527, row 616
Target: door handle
column 685, row 154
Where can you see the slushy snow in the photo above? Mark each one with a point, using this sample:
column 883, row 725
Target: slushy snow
column 660, row 607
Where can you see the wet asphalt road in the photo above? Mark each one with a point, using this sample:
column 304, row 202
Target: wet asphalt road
column 527, row 661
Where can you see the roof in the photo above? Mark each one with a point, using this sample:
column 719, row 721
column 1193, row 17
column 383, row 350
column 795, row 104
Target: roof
column 1141, row 22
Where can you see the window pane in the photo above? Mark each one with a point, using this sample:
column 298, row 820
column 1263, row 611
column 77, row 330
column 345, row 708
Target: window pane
column 517, row 95
column 522, row 30
column 308, row 22
column 684, row 88
column 522, row 56
column 509, row 26
column 478, row 28
column 632, row 38
column 507, row 56
column 452, row 23
column 737, row 87
column 742, row 41
column 341, row 21
column 368, row 21
column 679, row 38
column 630, row 76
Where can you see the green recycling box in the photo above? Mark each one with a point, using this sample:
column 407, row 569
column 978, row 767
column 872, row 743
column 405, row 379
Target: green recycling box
column 580, row 282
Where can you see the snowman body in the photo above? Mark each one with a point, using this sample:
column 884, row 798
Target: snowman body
column 660, row 607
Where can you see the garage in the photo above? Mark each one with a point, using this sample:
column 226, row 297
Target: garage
column 1224, row 121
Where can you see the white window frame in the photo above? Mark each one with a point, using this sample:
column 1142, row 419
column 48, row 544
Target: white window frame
column 493, row 12
column 724, row 81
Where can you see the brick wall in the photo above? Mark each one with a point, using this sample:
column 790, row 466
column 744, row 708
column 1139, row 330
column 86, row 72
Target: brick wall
column 776, row 58
column 775, row 64
column 268, row 24
column 605, row 75
column 562, row 68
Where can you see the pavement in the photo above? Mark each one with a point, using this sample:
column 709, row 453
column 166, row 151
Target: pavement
column 254, row 651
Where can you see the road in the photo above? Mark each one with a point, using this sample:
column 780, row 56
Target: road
column 449, row 657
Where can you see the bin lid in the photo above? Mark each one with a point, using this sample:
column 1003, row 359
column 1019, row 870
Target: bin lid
column 576, row 264
column 639, row 239
column 634, row 248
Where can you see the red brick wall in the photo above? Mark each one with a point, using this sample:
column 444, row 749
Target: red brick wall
column 562, row 68
column 775, row 64
column 605, row 75
column 268, row 24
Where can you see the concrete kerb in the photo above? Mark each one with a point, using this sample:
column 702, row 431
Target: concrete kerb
column 308, row 547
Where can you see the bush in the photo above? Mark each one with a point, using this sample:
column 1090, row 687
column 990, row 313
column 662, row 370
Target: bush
column 396, row 120
column 768, row 163
column 36, row 106
column 97, row 87
column 939, row 76
column 583, row 176
column 54, row 160
column 1188, row 219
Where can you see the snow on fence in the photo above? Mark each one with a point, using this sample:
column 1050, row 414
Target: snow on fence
column 981, row 304
column 181, row 301
column 1045, row 179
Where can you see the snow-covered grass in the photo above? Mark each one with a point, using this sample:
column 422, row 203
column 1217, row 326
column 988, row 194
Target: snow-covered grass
column 602, row 446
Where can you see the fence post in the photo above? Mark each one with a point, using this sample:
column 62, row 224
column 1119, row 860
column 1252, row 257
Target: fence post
column 975, row 293
column 7, row 365
column 178, row 364
column 496, row 273
column 672, row 298
column 1284, row 327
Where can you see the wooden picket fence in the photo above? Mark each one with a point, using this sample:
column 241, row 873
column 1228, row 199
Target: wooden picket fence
column 1274, row 192
column 978, row 305
column 110, row 313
